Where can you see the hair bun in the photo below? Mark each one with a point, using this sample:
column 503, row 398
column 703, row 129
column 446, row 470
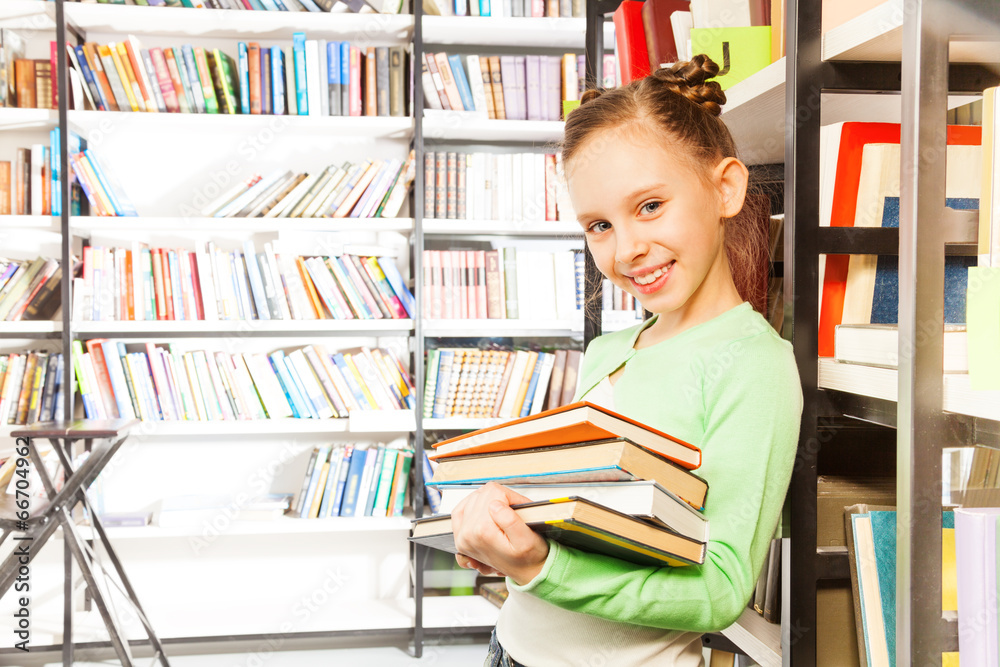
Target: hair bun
column 591, row 94
column 688, row 79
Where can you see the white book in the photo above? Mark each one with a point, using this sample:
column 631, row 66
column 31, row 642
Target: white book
column 476, row 81
column 479, row 184
column 206, row 277
column 720, row 13
column 138, row 293
column 284, row 311
column 539, row 159
column 267, row 386
column 508, row 200
column 311, row 383
column 77, row 86
column 877, row 345
column 431, row 98
column 324, row 79
column 364, row 487
column 565, row 279
column 681, row 24
column 75, row 63
column 548, row 361
column 37, row 162
column 210, row 209
column 516, row 375
column 243, row 379
column 237, row 204
column 312, row 77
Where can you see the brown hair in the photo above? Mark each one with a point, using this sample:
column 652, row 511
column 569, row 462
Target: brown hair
column 679, row 103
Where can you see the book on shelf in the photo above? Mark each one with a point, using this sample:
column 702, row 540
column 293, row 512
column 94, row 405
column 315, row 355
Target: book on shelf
column 31, row 387
column 30, row 183
column 979, row 481
column 497, row 383
column 368, row 189
column 845, row 184
column 494, row 591
column 514, row 8
column 162, row 383
column 124, row 76
column 103, row 191
column 585, row 525
column 983, row 302
column 766, row 599
column 348, row 480
column 503, row 283
column 520, row 187
column 977, row 565
column 878, row 345
column 568, row 424
column 644, row 497
column 872, row 556
column 143, row 283
column 205, row 511
column 502, row 87
column 29, row 289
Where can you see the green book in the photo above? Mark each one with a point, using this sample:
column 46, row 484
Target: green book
column 230, row 87
column 739, row 52
column 382, row 496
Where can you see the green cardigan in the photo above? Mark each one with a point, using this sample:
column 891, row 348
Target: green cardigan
column 729, row 386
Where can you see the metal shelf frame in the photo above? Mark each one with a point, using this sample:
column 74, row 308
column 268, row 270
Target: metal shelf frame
column 924, row 79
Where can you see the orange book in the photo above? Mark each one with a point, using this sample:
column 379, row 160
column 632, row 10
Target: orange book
column 97, row 67
column 87, row 179
column 168, row 284
column 361, row 381
column 24, row 391
column 5, row 183
column 498, row 106
column 46, row 190
column 131, row 46
column 253, row 61
column 120, row 58
column 96, row 350
column 569, row 424
column 129, row 287
column 371, row 83
column 161, row 306
column 310, row 289
column 24, row 83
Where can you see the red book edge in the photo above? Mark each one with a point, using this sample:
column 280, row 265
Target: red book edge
column 631, row 40
column 573, row 406
column 96, row 351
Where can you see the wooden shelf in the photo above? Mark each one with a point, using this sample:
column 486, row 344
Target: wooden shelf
column 353, row 127
column 378, row 29
column 275, row 328
column 503, row 227
column 181, row 225
column 538, row 33
column 494, row 328
column 472, row 126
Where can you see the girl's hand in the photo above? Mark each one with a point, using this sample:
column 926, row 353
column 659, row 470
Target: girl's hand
column 493, row 539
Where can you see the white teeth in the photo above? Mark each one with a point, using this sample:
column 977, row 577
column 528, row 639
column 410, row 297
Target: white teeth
column 648, row 278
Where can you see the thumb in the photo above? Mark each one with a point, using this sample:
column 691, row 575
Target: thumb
column 507, row 520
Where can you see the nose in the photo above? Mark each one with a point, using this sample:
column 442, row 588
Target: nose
column 630, row 244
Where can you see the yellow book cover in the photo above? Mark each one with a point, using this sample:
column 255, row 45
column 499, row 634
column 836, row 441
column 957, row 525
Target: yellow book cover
column 320, row 486
column 361, row 382
column 127, row 81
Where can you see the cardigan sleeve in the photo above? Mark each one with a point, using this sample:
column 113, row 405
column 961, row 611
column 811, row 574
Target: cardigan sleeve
column 752, row 416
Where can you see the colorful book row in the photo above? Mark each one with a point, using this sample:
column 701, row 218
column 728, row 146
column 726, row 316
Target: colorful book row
column 154, row 383
column 143, row 283
column 31, row 388
column 508, row 8
column 389, row 7
column 369, row 189
column 493, row 186
column 354, row 480
column 506, row 87
column 507, row 283
column 31, row 184
column 497, row 383
column 29, row 289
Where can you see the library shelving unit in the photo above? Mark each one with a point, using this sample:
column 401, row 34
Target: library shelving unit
column 923, row 50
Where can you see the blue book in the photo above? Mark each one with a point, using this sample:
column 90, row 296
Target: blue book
column 287, row 386
column 258, row 5
column 277, row 81
column 299, row 58
column 243, row 70
column 58, row 407
column 398, row 285
column 352, row 382
column 297, row 385
column 310, row 5
column 256, row 284
column 333, row 76
column 462, row 81
column 330, row 489
column 432, row 494
column 345, row 78
column 270, row 5
column 117, row 377
column 77, row 145
column 324, row 453
column 347, row 286
column 352, row 486
column 122, row 204
column 885, row 300
column 446, row 358
column 194, row 80
column 342, row 472
column 54, row 163
column 88, row 76
column 374, row 474
column 280, row 4
column 484, row 7
column 532, row 385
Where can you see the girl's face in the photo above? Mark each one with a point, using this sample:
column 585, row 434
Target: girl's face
column 654, row 225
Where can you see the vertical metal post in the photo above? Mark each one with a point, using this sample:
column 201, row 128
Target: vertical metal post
column 592, row 278
column 66, row 288
column 801, row 284
column 594, row 44
column 921, row 309
column 418, row 321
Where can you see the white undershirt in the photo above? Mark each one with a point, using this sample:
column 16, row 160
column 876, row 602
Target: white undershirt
column 537, row 633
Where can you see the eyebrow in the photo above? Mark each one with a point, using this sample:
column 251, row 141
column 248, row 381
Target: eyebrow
column 635, row 194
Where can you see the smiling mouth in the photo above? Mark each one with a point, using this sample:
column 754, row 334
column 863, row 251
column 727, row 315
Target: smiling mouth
column 652, row 276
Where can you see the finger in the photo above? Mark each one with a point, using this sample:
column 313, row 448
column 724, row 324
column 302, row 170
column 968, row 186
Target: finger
column 517, row 531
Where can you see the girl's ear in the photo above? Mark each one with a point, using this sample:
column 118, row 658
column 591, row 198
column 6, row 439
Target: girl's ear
column 731, row 177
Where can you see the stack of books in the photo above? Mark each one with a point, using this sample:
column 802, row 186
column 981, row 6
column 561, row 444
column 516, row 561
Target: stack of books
column 30, row 183
column 507, row 87
column 143, row 283
column 498, row 383
column 103, row 190
column 29, row 289
column 31, row 387
column 314, row 78
column 369, row 189
column 354, row 480
column 490, row 284
column 598, row 481
column 154, row 383
column 493, row 186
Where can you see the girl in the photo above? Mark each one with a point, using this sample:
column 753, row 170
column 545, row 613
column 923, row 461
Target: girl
column 654, row 179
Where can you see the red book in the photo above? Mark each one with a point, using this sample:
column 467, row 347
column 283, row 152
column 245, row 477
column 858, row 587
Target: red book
column 103, row 379
column 54, row 60
column 569, row 424
column 170, row 99
column 199, row 305
column 253, row 59
column 631, row 41
column 658, row 30
column 853, row 137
